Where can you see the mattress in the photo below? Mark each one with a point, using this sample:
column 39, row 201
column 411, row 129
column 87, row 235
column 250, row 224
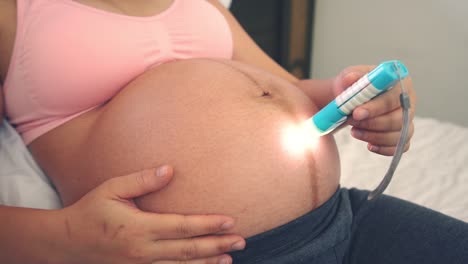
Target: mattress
column 433, row 173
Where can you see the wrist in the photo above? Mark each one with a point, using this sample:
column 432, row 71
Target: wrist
column 49, row 238
column 52, row 237
column 319, row 91
column 60, row 249
column 30, row 236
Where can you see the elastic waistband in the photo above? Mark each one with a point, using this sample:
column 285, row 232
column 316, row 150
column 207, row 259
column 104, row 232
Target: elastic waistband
column 310, row 234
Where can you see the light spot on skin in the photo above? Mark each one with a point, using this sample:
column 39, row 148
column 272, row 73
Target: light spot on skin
column 299, row 138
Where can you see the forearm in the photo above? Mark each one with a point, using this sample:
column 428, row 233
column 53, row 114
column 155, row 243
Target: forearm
column 246, row 50
column 30, row 236
column 319, row 91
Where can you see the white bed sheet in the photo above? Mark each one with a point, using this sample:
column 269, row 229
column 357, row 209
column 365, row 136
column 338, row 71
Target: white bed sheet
column 22, row 183
column 434, row 173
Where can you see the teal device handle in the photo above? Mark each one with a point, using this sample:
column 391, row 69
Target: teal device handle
column 379, row 80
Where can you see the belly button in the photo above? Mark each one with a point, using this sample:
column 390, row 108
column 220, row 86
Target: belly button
column 266, row 94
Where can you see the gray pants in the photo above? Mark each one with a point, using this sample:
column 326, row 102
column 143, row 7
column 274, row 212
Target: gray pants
column 350, row 229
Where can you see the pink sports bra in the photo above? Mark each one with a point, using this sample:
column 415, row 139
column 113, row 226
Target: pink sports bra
column 69, row 58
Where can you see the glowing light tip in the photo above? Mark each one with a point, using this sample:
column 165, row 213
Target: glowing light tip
column 298, row 138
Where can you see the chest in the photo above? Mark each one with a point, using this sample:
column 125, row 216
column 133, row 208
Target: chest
column 81, row 37
column 145, row 8
column 85, row 55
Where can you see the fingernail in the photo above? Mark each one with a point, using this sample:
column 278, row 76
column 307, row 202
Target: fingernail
column 239, row 245
column 162, row 171
column 353, row 76
column 224, row 260
column 361, row 114
column 227, row 225
column 373, row 148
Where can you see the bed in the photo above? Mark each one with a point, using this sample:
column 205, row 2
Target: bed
column 434, row 173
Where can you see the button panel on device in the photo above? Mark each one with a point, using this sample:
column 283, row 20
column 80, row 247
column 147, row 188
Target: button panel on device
column 352, row 90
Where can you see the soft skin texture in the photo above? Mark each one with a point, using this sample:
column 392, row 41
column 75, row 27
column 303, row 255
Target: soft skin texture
column 221, row 125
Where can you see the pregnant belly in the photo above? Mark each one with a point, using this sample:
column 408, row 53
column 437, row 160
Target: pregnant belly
column 223, row 126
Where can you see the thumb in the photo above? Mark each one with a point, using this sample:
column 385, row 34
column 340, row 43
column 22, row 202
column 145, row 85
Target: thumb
column 140, row 183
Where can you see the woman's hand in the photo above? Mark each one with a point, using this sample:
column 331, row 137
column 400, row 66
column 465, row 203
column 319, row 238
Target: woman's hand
column 105, row 226
column 378, row 121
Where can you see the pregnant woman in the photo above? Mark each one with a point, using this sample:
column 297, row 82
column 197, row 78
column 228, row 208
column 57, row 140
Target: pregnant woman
column 129, row 85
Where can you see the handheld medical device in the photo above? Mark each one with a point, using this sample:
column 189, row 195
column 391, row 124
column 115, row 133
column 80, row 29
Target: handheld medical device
column 382, row 78
column 379, row 80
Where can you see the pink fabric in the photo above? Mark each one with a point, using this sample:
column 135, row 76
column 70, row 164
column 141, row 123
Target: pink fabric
column 70, row 58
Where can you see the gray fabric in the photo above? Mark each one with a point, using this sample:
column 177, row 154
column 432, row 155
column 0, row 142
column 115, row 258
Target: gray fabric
column 320, row 236
column 350, row 229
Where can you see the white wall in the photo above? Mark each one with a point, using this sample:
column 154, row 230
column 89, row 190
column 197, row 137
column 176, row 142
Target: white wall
column 429, row 36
